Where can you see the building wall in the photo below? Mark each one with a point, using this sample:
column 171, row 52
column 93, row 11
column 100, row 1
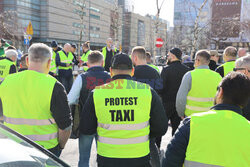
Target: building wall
column 134, row 36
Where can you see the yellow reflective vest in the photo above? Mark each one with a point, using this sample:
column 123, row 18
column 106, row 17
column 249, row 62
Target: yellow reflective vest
column 65, row 59
column 218, row 138
column 28, row 111
column 228, row 67
column 203, row 90
column 104, row 53
column 5, row 65
column 85, row 59
column 53, row 63
column 123, row 111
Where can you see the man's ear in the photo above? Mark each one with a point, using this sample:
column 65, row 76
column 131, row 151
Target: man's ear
column 133, row 72
column 111, row 72
column 102, row 63
column 49, row 62
column 27, row 61
column 220, row 93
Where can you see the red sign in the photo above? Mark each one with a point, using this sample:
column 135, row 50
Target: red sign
column 159, row 43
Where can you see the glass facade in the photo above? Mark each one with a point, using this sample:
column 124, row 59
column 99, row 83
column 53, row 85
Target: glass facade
column 185, row 12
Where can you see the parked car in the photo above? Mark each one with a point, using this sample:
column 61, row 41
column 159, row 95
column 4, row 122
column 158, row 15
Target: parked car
column 17, row 150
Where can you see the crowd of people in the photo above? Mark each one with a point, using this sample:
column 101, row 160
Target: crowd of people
column 124, row 103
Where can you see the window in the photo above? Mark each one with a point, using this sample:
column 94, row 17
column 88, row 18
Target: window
column 94, row 35
column 95, row 16
column 94, row 9
column 78, row 25
column 77, row 3
column 94, row 28
column 78, row 33
column 78, row 12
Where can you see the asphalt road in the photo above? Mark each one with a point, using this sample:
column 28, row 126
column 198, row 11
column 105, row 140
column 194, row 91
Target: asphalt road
column 71, row 155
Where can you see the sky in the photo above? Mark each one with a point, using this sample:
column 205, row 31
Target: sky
column 144, row 7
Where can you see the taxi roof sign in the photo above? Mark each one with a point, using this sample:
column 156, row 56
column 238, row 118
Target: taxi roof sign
column 29, row 30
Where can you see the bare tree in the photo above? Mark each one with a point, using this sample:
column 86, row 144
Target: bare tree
column 116, row 22
column 196, row 28
column 79, row 8
column 10, row 28
column 157, row 24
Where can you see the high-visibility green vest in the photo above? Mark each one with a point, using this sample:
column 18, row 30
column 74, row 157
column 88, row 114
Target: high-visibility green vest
column 5, row 65
column 85, row 59
column 154, row 67
column 203, row 90
column 85, row 56
column 228, row 67
column 26, row 98
column 123, row 108
column 104, row 53
column 218, row 138
column 53, row 63
column 65, row 59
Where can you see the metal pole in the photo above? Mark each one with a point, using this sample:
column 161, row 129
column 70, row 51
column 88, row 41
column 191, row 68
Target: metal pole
column 89, row 18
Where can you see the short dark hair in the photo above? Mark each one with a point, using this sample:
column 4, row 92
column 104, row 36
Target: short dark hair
column 95, row 57
column 86, row 44
column 236, row 89
column 148, row 54
column 140, row 52
column 204, row 54
column 231, row 51
column 10, row 47
column 23, row 58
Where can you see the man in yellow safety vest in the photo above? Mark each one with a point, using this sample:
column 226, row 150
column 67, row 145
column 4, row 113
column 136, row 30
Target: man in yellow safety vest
column 219, row 137
column 124, row 114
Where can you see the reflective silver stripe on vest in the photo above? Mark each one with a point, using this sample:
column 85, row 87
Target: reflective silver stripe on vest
column 194, row 108
column 42, row 137
column 200, row 99
column 117, row 141
column 124, row 126
column 1, row 79
column 22, row 121
column 198, row 164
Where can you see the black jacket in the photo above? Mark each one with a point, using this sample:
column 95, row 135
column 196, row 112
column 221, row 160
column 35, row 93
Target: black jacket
column 246, row 111
column 158, row 127
column 172, row 76
column 95, row 76
column 212, row 65
column 176, row 149
column 148, row 75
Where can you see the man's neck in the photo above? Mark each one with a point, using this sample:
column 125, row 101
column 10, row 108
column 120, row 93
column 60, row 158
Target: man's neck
column 231, row 59
column 140, row 63
column 36, row 67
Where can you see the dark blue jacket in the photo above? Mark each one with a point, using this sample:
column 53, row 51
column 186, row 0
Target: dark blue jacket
column 95, row 76
column 176, row 149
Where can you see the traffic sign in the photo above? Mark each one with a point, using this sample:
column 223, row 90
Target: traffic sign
column 159, row 43
column 26, row 41
column 29, row 30
column 29, row 37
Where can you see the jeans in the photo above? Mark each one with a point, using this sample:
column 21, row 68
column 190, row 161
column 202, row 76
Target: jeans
column 85, row 143
column 56, row 150
column 67, row 82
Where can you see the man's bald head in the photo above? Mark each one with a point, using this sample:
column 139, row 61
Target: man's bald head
column 242, row 52
column 67, row 47
column 230, row 53
column 109, row 42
